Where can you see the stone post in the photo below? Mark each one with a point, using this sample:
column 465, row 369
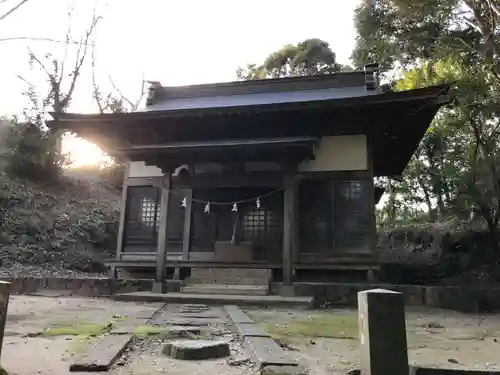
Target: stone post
column 4, row 303
column 382, row 333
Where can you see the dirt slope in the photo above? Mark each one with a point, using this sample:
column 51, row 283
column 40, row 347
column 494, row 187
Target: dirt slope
column 63, row 229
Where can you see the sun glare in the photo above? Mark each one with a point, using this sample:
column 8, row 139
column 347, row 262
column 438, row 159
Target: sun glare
column 82, row 152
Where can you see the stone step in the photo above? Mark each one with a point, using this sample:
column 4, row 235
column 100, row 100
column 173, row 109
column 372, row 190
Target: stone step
column 234, row 290
column 230, row 276
column 227, row 281
column 217, row 299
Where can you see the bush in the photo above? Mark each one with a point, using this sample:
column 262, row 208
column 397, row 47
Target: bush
column 32, row 153
column 113, row 175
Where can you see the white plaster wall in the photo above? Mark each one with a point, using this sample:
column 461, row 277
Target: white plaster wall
column 140, row 169
column 338, row 153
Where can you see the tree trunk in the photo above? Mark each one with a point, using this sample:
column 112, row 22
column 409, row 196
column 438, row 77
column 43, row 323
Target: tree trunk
column 391, row 203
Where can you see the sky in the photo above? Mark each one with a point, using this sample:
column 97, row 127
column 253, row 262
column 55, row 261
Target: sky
column 175, row 42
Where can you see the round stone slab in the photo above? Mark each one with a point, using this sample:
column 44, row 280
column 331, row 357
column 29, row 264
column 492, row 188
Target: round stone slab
column 196, row 349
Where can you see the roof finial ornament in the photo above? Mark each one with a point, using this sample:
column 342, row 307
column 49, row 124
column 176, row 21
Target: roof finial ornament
column 371, row 76
column 153, row 85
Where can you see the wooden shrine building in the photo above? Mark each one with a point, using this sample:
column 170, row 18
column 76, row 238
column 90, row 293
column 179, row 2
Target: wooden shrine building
column 270, row 174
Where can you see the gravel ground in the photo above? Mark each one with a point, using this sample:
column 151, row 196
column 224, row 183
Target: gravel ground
column 22, row 270
column 436, row 338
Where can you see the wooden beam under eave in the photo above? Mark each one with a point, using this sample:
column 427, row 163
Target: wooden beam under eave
column 159, row 285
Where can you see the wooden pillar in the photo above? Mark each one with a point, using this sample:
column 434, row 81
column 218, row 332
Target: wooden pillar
column 159, row 286
column 121, row 224
column 382, row 332
column 186, row 237
column 372, row 233
column 4, row 303
column 289, row 228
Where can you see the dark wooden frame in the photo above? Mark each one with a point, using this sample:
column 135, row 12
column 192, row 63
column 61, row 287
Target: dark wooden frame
column 292, row 259
column 257, row 179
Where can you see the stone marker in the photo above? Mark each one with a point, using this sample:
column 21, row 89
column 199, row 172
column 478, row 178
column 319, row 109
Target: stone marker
column 196, row 349
column 382, row 333
column 4, row 303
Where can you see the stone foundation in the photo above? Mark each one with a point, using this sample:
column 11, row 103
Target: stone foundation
column 87, row 287
column 470, row 300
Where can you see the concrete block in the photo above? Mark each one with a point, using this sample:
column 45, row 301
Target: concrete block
column 196, row 349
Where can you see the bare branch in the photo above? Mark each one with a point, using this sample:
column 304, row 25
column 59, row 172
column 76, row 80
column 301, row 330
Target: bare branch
column 66, row 47
column 96, row 94
column 39, row 39
column 39, row 62
column 119, row 92
column 80, row 57
column 25, row 80
column 13, row 9
column 494, row 8
column 133, row 106
column 143, row 91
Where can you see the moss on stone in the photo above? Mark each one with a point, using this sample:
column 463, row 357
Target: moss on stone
column 78, row 330
column 148, row 330
column 143, row 331
column 341, row 326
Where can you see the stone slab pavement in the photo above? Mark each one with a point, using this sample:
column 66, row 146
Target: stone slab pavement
column 29, row 316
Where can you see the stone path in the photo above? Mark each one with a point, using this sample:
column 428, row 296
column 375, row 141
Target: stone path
column 58, row 332
column 263, row 349
column 190, row 315
column 196, row 349
column 102, row 354
column 183, row 320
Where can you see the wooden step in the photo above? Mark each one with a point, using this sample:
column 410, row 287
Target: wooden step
column 224, row 289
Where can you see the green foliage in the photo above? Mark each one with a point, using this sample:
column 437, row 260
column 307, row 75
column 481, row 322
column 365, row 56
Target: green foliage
column 94, row 227
column 113, row 175
column 454, row 171
column 309, row 57
column 31, row 152
column 406, row 31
